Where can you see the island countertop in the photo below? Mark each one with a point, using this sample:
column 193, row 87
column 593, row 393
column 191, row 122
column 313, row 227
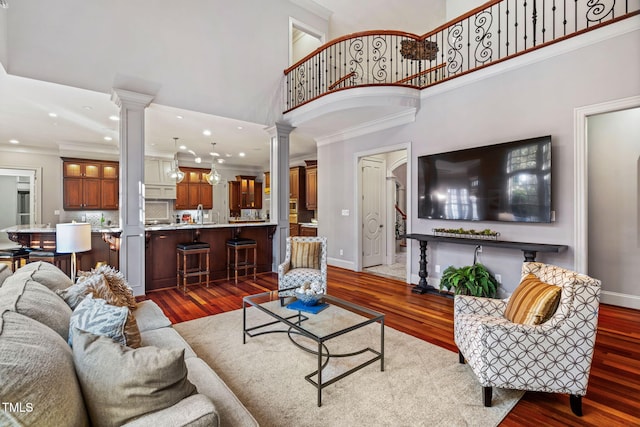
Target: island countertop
column 47, row 228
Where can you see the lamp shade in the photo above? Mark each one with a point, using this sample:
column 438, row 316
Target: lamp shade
column 73, row 237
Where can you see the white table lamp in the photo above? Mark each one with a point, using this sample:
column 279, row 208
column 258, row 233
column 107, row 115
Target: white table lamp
column 71, row 238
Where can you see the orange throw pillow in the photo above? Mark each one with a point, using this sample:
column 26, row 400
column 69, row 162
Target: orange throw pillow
column 305, row 255
column 533, row 302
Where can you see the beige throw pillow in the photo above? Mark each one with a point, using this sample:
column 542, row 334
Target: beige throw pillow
column 533, row 302
column 118, row 290
column 120, row 384
column 305, row 255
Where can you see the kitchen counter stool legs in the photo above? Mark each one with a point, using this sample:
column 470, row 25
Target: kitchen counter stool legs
column 190, row 267
column 237, row 246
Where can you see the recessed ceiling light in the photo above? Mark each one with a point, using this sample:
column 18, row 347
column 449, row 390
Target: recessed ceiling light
column 183, row 147
column 206, row 132
column 241, row 154
column 179, row 117
column 240, row 128
column 220, row 160
column 53, row 115
column 87, row 107
column 198, row 160
column 214, row 154
column 108, row 138
column 227, row 155
column 114, row 118
column 14, row 141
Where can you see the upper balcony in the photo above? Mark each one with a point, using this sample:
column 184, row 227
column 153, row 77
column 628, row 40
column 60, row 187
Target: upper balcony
column 406, row 63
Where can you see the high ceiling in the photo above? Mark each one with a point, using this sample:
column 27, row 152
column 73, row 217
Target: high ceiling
column 50, row 117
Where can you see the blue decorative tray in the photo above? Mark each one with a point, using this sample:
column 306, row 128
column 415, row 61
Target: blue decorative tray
column 313, row 309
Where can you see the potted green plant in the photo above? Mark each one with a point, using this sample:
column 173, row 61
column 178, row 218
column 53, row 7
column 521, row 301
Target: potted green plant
column 474, row 280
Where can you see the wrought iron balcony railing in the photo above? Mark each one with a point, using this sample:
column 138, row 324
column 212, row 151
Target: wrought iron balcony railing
column 491, row 33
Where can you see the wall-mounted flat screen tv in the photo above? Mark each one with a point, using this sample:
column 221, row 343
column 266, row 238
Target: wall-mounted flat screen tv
column 502, row 182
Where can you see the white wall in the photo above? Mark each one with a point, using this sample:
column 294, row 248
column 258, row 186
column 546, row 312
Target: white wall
column 614, row 200
column 8, row 207
column 535, row 100
column 457, row 8
column 48, row 186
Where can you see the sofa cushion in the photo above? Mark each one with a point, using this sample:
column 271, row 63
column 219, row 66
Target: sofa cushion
column 147, row 379
column 229, row 408
column 5, row 271
column 37, row 372
column 167, row 338
column 47, row 274
column 20, row 293
column 150, row 316
column 193, row 411
column 305, row 255
column 96, row 316
column 533, row 302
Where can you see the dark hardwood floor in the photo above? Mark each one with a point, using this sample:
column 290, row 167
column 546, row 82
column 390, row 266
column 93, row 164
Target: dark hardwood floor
column 613, row 397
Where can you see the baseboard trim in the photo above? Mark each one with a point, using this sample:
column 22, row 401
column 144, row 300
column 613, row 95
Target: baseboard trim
column 336, row 262
column 621, row 300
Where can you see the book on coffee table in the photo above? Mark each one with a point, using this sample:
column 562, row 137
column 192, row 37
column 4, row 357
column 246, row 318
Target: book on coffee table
column 313, row 309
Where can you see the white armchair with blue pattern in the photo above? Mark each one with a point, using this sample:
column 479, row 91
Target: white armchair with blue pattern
column 554, row 356
column 292, row 276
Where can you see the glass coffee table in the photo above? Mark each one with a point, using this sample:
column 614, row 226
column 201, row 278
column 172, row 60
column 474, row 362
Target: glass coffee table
column 311, row 332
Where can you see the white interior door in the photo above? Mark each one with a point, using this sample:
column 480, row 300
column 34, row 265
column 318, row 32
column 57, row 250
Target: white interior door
column 373, row 212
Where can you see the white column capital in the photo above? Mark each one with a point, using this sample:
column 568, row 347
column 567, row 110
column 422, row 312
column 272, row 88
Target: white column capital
column 280, row 129
column 129, row 99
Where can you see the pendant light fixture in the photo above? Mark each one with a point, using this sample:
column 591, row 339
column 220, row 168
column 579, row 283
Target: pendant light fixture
column 175, row 172
column 213, row 177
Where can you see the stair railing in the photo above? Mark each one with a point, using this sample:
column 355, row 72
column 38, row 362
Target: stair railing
column 494, row 32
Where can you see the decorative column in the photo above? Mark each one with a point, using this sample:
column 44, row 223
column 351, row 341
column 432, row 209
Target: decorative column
column 132, row 240
column 280, row 188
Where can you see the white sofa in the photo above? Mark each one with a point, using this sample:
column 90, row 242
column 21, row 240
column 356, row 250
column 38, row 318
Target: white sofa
column 39, row 383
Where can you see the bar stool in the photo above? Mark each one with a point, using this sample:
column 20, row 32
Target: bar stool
column 235, row 262
column 14, row 257
column 184, row 252
column 62, row 261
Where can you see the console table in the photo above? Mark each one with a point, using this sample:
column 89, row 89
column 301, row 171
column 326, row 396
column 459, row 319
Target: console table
column 529, row 251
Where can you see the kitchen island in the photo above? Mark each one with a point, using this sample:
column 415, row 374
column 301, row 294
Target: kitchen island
column 161, row 241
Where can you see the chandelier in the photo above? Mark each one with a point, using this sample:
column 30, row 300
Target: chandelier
column 213, row 177
column 175, row 172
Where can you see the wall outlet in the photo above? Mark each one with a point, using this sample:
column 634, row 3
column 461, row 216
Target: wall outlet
column 437, row 268
column 345, row 212
column 56, row 212
column 341, row 252
column 498, row 278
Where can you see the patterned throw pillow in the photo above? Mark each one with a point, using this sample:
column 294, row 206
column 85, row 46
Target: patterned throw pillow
column 120, row 384
column 533, row 302
column 305, row 255
column 99, row 318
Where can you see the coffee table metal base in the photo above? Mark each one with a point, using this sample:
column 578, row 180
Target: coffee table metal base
column 323, row 353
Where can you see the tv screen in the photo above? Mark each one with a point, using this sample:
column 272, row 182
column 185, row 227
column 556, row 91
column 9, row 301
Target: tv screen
column 501, row 182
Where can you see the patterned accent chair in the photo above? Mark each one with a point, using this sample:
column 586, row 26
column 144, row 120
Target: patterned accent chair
column 554, row 356
column 294, row 277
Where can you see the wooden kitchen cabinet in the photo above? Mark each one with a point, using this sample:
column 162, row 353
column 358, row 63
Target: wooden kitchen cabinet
column 311, row 185
column 267, row 183
column 90, row 184
column 308, row 231
column 194, row 190
column 244, row 193
column 294, row 229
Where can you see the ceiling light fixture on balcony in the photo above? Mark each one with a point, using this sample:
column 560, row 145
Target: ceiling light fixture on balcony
column 175, row 172
column 213, row 177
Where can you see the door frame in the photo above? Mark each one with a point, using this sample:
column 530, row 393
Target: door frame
column 357, row 215
column 581, row 191
column 35, row 187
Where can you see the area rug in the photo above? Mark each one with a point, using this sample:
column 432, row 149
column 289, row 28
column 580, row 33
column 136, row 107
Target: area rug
column 421, row 385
